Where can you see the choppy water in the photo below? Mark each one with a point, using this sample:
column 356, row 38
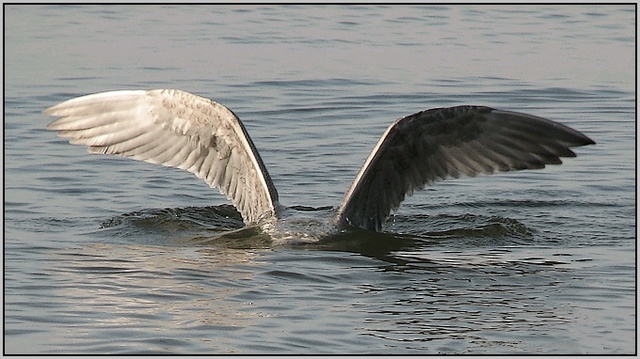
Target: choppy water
column 107, row 255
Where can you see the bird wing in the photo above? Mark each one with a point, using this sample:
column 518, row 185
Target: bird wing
column 443, row 143
column 176, row 129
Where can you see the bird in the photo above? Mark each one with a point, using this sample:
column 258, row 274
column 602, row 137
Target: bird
column 175, row 128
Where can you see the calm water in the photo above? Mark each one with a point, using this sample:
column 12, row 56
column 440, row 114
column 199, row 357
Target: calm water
column 107, row 255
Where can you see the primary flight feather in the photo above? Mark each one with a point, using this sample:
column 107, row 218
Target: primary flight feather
column 178, row 129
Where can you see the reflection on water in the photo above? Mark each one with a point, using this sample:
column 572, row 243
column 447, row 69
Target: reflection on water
column 104, row 255
column 160, row 282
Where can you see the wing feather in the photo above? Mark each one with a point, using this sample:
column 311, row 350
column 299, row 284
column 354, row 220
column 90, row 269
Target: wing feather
column 442, row 143
column 176, row 129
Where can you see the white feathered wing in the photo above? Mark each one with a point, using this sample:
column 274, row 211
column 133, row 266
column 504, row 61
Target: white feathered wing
column 176, row 129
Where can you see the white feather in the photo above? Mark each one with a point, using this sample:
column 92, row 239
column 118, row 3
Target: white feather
column 177, row 129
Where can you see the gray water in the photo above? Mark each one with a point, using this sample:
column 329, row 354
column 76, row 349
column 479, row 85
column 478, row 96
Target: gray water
column 108, row 255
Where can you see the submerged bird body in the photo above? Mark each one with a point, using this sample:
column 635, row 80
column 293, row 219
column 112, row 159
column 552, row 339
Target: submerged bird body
column 178, row 129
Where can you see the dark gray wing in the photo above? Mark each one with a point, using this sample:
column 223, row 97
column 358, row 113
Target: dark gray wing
column 443, row 143
column 176, row 129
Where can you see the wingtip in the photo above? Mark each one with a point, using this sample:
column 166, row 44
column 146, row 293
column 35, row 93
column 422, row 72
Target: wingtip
column 584, row 141
column 50, row 111
column 53, row 126
column 57, row 124
column 589, row 141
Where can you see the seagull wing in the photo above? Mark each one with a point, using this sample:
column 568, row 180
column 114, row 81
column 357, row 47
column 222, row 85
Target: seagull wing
column 443, row 143
column 176, row 129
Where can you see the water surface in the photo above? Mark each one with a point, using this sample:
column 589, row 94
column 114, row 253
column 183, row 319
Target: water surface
column 107, row 255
